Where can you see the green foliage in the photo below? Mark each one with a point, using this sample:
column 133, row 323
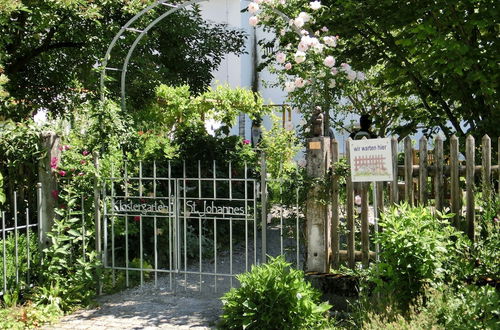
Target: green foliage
column 274, row 296
column 49, row 50
column 23, row 246
column 414, row 44
column 2, row 193
column 69, row 269
column 419, row 249
column 28, row 316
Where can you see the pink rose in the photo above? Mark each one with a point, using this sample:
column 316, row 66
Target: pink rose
column 62, row 173
column 85, row 152
column 53, row 163
column 246, row 141
column 55, row 194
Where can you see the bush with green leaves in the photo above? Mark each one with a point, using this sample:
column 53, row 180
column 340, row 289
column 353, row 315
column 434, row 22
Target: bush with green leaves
column 418, row 249
column 274, row 296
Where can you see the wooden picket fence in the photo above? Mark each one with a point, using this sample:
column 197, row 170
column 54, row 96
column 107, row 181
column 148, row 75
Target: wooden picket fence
column 428, row 177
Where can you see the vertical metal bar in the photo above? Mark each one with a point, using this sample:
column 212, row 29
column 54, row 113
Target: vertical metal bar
column 4, row 255
column 105, row 227
column 97, row 218
column 297, row 223
column 255, row 219
column 185, row 222
column 171, row 207
column 16, row 238
column 84, row 238
column 127, row 279
column 263, row 199
column 215, row 227
column 199, row 247
column 40, row 216
column 155, row 225
column 141, row 243
column 281, row 216
column 215, row 254
column 375, row 220
column 246, row 218
column 28, row 244
column 199, row 226
column 230, row 250
column 113, row 271
column 230, row 182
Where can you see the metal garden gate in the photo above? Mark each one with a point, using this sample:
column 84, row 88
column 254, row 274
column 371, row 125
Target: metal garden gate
column 182, row 228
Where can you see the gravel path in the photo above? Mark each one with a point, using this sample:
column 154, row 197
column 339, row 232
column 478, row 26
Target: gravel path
column 147, row 308
column 159, row 308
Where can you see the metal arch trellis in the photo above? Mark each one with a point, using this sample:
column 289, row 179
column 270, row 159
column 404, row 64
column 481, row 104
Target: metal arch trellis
column 142, row 33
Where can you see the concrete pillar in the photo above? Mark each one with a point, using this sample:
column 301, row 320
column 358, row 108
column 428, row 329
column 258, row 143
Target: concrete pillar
column 318, row 213
column 49, row 193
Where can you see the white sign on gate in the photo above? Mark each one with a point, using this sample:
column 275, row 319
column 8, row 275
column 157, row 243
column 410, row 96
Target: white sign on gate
column 371, row 160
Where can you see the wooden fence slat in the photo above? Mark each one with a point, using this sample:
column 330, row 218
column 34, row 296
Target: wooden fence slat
column 365, row 231
column 408, row 171
column 394, row 183
column 350, row 212
column 454, row 181
column 423, row 171
column 486, row 168
column 335, row 208
column 439, row 173
column 470, row 159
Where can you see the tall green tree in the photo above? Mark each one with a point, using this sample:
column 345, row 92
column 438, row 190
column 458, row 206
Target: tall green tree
column 443, row 52
column 50, row 50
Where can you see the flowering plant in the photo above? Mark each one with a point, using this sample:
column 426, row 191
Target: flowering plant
column 308, row 61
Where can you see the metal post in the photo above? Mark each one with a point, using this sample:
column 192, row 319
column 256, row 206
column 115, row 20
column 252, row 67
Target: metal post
column 263, row 199
column 375, row 219
column 97, row 217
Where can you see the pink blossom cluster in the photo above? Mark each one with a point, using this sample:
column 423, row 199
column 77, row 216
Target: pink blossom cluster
column 312, row 57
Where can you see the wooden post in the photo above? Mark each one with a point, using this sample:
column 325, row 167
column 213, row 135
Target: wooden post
column 423, row 171
column 486, row 168
column 351, row 257
column 335, row 208
column 394, row 186
column 49, row 192
column 470, row 155
column 365, row 234
column 318, row 215
column 408, row 171
column 454, row 181
column 439, row 173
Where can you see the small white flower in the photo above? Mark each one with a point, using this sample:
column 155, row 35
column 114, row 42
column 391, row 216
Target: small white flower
column 329, row 61
column 324, row 29
column 357, row 200
column 289, row 86
column 315, row 5
column 253, row 21
column 298, row 22
column 305, row 16
column 253, row 7
column 334, row 71
column 304, row 32
column 332, row 83
column 300, row 57
column 282, row 32
column 344, row 67
column 318, row 48
column 258, row 1
column 299, row 82
column 360, row 76
column 303, row 46
column 330, row 41
column 351, row 75
column 321, row 74
column 280, row 57
column 288, row 66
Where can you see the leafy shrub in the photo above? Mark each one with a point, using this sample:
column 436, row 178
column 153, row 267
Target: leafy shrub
column 419, row 249
column 274, row 296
